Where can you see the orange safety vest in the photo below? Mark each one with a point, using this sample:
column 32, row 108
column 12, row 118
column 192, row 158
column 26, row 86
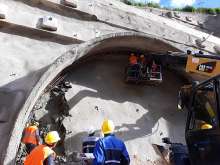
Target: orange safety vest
column 38, row 155
column 133, row 60
column 30, row 135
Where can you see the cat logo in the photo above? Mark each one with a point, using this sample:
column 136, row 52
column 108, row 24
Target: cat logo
column 203, row 65
column 206, row 67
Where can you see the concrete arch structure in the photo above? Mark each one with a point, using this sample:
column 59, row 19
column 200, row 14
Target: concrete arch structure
column 118, row 41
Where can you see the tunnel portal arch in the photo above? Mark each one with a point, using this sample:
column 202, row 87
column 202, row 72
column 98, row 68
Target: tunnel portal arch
column 129, row 41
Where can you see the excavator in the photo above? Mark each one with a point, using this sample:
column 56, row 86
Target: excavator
column 202, row 101
column 200, row 67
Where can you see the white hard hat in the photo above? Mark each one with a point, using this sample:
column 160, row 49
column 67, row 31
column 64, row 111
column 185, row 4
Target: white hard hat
column 91, row 130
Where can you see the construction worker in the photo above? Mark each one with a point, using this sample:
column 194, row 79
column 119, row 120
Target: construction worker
column 142, row 59
column 133, row 59
column 143, row 64
column 88, row 144
column 43, row 154
column 31, row 136
column 154, row 66
column 110, row 150
column 154, row 69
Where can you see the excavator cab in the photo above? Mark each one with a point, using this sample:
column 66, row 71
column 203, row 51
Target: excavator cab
column 203, row 128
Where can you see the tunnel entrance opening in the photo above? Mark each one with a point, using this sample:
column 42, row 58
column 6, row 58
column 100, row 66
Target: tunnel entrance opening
column 143, row 114
column 98, row 52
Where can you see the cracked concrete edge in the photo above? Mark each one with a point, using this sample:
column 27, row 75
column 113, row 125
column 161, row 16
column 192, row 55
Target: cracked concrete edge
column 55, row 68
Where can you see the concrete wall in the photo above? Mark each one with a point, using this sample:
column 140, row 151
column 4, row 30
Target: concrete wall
column 93, row 18
column 210, row 23
column 28, row 13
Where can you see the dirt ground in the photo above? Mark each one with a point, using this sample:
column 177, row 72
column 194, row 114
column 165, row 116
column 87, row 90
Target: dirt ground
column 142, row 114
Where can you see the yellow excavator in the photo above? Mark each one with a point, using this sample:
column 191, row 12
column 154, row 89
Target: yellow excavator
column 207, row 65
column 200, row 67
column 202, row 100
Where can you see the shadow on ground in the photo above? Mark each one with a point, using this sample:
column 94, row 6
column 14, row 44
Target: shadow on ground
column 102, row 78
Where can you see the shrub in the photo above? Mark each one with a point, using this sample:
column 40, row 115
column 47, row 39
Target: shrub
column 211, row 11
column 127, row 2
column 177, row 9
column 201, row 10
column 140, row 4
column 217, row 10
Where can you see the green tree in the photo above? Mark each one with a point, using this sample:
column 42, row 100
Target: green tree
column 217, row 10
column 189, row 9
column 127, row 2
column 177, row 9
column 211, row 11
column 154, row 5
column 140, row 4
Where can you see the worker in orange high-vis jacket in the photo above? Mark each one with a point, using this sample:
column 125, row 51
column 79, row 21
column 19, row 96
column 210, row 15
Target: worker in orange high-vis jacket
column 44, row 154
column 31, row 136
column 133, row 59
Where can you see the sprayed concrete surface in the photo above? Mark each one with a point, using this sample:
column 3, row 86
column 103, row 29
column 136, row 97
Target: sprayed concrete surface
column 142, row 114
column 64, row 61
column 21, row 56
column 23, row 61
column 210, row 23
column 26, row 56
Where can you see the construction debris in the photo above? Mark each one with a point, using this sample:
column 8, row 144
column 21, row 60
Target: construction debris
column 50, row 110
column 58, row 95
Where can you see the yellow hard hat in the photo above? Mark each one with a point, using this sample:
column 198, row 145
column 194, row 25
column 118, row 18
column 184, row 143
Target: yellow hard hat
column 206, row 126
column 108, row 126
column 35, row 123
column 52, row 137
